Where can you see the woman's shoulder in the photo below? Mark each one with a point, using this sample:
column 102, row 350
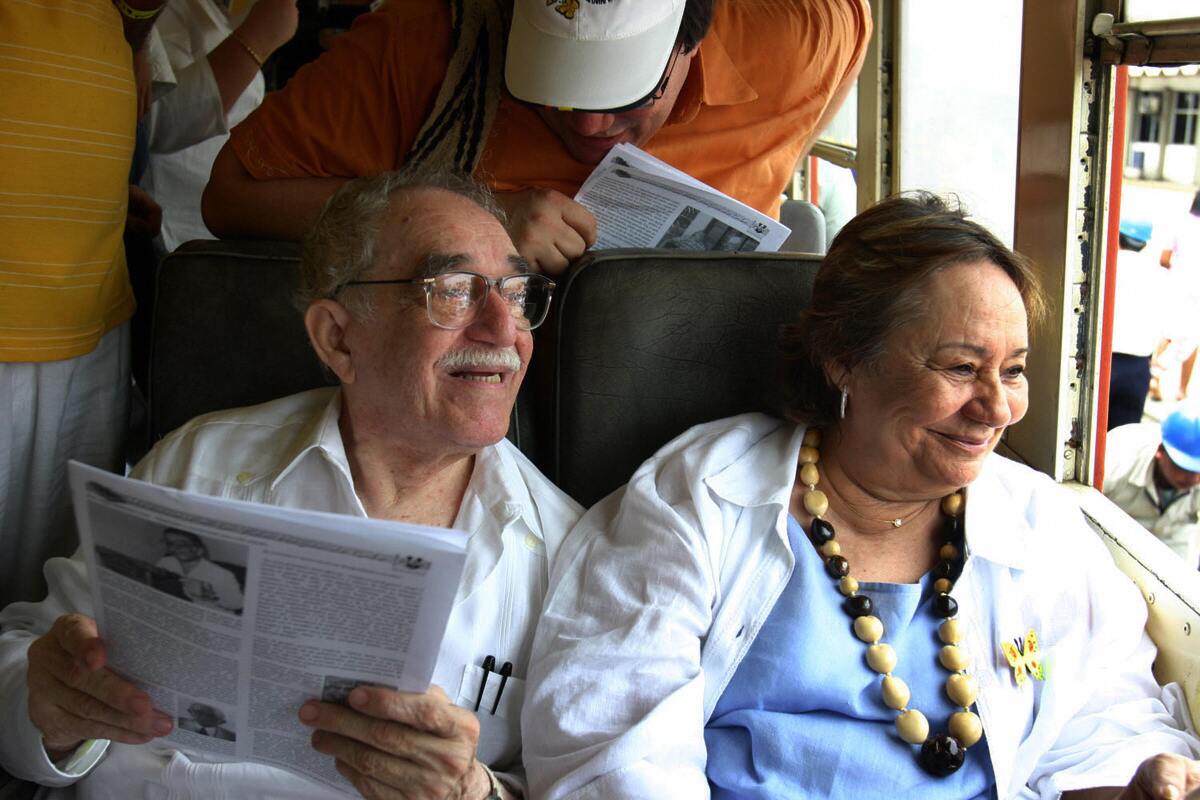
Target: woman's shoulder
column 755, row 449
column 717, row 443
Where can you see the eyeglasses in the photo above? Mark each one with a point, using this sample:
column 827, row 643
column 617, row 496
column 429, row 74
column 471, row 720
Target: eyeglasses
column 453, row 300
column 654, row 96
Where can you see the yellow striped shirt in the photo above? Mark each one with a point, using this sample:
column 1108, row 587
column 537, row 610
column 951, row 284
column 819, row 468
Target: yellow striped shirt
column 67, row 126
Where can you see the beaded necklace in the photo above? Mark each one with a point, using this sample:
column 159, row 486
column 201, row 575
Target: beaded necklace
column 943, row 753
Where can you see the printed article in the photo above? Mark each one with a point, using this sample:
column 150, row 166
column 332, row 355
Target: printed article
column 640, row 201
column 230, row 614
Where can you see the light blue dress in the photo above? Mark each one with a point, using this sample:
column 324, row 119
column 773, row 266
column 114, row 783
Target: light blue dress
column 803, row 716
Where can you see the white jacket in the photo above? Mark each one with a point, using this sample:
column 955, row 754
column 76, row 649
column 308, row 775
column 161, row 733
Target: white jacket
column 289, row 453
column 658, row 593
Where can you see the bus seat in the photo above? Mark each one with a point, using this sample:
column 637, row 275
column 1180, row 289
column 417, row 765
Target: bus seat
column 808, row 227
column 648, row 343
column 1170, row 586
column 226, row 334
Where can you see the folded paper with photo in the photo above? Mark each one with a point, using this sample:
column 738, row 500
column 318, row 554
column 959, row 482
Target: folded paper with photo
column 231, row 614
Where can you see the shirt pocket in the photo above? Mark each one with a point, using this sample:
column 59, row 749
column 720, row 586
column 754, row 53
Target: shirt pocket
column 499, row 732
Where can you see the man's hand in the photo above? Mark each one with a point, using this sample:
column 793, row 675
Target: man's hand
column 548, row 228
column 400, row 745
column 73, row 697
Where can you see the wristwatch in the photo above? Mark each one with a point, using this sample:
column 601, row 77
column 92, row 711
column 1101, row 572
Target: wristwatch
column 494, row 784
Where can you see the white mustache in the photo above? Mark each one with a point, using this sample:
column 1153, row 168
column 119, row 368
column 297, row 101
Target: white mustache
column 504, row 359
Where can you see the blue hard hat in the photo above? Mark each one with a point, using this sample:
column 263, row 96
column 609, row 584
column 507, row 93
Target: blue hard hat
column 1137, row 229
column 1181, row 436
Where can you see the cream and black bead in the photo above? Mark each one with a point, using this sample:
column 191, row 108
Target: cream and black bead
column 940, row 754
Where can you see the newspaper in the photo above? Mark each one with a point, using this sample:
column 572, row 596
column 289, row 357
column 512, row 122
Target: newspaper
column 640, row 201
column 280, row 607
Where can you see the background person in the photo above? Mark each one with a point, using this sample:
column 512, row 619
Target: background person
column 65, row 150
column 203, row 581
column 734, row 104
column 418, row 302
column 819, row 606
column 1141, row 308
column 211, row 63
column 1181, row 255
column 1153, row 473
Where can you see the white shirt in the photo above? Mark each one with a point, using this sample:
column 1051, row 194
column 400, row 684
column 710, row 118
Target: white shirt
column 660, row 590
column 1129, row 482
column 289, row 452
column 187, row 124
column 1144, row 303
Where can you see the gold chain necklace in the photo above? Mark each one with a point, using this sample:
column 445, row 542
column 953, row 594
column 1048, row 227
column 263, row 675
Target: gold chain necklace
column 940, row 754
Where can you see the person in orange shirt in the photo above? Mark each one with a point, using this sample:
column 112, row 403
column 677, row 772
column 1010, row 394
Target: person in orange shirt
column 732, row 93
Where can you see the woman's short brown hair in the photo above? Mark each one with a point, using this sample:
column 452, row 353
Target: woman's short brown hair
column 871, row 283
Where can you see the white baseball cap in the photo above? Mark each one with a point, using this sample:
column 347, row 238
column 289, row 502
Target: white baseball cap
column 590, row 54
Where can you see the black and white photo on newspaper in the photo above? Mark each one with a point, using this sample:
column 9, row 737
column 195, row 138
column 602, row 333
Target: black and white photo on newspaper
column 641, row 201
column 231, row 615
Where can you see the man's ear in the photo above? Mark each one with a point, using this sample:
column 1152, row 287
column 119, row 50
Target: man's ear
column 326, row 322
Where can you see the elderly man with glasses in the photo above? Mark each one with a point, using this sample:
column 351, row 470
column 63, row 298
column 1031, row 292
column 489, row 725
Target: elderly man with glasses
column 416, row 299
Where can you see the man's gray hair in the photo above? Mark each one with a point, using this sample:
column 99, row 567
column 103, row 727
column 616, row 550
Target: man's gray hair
column 340, row 247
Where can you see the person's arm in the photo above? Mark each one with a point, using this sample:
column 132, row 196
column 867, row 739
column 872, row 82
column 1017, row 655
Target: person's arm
column 55, row 692
column 615, row 692
column 354, row 111
column 849, row 79
column 1125, row 736
column 236, row 204
column 137, row 18
column 235, row 61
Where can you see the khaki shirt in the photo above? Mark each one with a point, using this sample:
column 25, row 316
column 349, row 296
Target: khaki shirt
column 1129, row 482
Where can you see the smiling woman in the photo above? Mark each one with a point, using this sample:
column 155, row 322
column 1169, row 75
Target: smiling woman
column 832, row 594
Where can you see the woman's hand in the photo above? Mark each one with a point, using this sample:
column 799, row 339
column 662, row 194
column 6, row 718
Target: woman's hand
column 73, row 696
column 1163, row 777
column 392, row 744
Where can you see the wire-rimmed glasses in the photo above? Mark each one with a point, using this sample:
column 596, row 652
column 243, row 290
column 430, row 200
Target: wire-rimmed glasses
column 453, row 300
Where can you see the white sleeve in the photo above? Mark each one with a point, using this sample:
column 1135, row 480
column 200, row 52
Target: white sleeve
column 617, row 706
column 1123, row 716
column 21, row 751
column 190, row 113
column 226, row 588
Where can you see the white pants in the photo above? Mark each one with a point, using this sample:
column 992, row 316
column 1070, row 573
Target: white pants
column 51, row 412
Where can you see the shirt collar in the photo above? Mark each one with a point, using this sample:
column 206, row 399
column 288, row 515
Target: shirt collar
column 993, row 531
column 765, row 473
column 321, row 434
column 496, row 481
column 713, row 80
column 497, row 485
